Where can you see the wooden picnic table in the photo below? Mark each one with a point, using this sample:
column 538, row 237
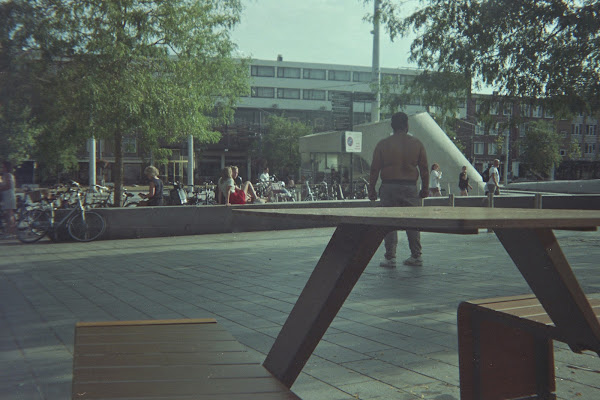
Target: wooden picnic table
column 526, row 234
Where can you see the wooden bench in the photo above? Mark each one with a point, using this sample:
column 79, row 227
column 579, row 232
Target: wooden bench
column 167, row 359
column 506, row 350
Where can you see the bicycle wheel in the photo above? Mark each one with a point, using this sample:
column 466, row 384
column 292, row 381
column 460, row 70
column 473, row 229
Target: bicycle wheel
column 132, row 204
column 88, row 228
column 32, row 226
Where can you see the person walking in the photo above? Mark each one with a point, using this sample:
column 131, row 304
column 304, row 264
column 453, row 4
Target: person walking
column 463, row 182
column 400, row 159
column 492, row 185
column 435, row 175
column 9, row 196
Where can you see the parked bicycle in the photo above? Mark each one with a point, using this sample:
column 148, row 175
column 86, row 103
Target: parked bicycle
column 82, row 225
column 106, row 196
column 203, row 195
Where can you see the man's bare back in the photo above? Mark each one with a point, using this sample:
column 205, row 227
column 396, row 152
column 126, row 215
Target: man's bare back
column 400, row 156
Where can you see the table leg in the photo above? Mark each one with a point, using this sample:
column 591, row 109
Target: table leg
column 342, row 263
column 538, row 256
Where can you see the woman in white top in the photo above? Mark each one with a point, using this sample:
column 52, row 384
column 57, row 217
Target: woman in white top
column 434, row 181
column 9, row 195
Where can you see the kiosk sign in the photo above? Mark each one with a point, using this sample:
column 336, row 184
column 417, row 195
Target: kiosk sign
column 352, row 142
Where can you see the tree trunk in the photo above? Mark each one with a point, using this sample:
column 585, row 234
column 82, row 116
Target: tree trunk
column 118, row 199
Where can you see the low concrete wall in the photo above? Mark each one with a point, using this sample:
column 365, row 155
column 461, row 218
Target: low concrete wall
column 143, row 222
column 590, row 186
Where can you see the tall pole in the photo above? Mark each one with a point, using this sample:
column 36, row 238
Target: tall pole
column 376, row 73
column 506, row 144
column 190, row 166
column 92, row 164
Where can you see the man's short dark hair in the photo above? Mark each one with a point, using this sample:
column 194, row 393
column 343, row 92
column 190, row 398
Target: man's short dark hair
column 400, row 121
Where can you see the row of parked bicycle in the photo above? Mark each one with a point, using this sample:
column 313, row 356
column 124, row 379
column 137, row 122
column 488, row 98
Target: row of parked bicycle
column 66, row 210
column 58, row 213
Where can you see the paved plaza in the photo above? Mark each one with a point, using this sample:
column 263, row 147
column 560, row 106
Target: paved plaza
column 395, row 337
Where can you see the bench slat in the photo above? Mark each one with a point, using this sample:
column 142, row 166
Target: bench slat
column 149, row 389
column 170, row 359
column 161, row 347
column 175, row 372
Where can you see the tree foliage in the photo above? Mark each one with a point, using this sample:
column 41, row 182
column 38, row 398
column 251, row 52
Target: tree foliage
column 156, row 71
column 18, row 83
column 279, row 145
column 442, row 94
column 546, row 49
column 540, row 147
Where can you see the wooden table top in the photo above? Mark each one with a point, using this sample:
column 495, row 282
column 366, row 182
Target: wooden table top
column 442, row 218
column 167, row 359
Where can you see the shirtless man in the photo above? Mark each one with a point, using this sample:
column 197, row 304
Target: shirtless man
column 400, row 159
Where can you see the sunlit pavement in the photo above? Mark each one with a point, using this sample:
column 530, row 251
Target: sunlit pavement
column 395, row 337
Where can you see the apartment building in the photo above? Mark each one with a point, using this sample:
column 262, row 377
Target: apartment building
column 324, row 96
column 489, row 118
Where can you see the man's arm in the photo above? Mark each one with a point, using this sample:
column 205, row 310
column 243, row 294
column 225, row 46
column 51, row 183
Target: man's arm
column 374, row 174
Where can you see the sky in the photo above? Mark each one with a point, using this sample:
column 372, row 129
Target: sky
column 319, row 31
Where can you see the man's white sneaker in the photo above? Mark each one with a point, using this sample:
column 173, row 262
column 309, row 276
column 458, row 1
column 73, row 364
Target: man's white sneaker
column 388, row 263
column 414, row 261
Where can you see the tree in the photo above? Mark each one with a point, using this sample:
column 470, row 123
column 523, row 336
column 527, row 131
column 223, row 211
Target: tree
column 279, row 144
column 573, row 149
column 544, row 49
column 540, row 148
column 18, row 85
column 150, row 70
column 442, row 93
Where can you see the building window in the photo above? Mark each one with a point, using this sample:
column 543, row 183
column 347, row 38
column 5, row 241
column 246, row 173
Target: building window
column 492, row 148
column 525, row 110
column 406, row 78
column 548, row 114
column 129, row 145
column 480, row 128
column 523, row 129
column 590, row 148
column 364, row 96
column 312, row 94
column 507, row 109
column 262, row 70
column 288, row 93
column 592, row 130
column 286, row 72
column 361, row 76
column 309, row 73
column 267, row 92
column 494, row 109
column 335, row 75
column 333, row 94
column 537, row 112
column 576, row 129
column 495, row 128
column 478, row 148
column 390, row 78
column 563, row 152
